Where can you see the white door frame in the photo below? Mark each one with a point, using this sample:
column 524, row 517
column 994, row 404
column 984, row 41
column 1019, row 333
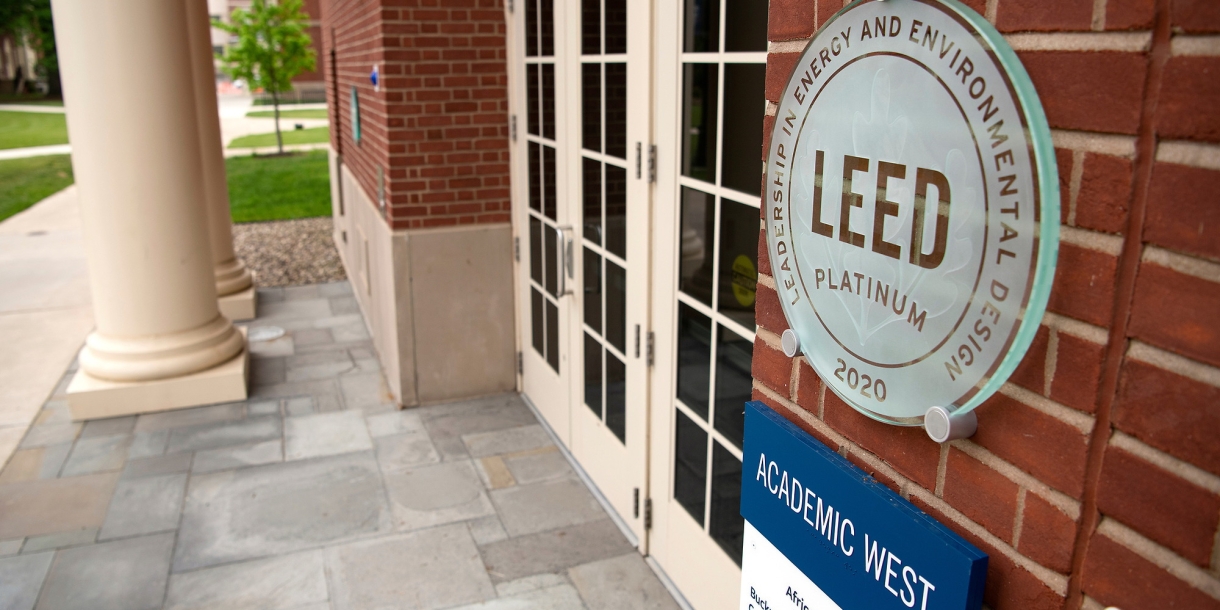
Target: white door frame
column 549, row 390
column 616, row 469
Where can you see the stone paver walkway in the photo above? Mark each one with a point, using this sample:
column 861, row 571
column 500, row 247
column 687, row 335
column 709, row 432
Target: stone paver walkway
column 45, row 309
column 314, row 493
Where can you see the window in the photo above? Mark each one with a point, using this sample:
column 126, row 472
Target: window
column 604, row 210
column 540, row 135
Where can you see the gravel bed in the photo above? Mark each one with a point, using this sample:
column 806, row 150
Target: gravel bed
column 289, row 252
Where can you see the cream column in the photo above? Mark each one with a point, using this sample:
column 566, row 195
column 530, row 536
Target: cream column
column 234, row 285
column 129, row 96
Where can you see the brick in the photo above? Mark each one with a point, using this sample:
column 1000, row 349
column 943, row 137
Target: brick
column 1031, row 372
column 1105, row 193
column 979, row 6
column 794, row 418
column 1047, row 534
column 767, row 310
column 1182, row 213
column 826, row 10
column 1090, row 91
column 1135, row 492
column 779, row 71
column 1084, row 284
column 790, row 19
column 1063, row 159
column 982, row 494
column 1176, row 311
column 771, row 367
column 768, row 126
column 1043, row 15
column 1189, row 95
column 1129, row 14
column 1175, row 414
column 1049, row 449
column 764, row 257
column 1116, row 575
column 907, row 449
column 858, row 460
column 1009, row 586
column 1077, row 372
column 808, row 387
column 1196, row 16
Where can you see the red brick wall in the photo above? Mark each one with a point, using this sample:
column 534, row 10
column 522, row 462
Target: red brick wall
column 1094, row 478
column 439, row 124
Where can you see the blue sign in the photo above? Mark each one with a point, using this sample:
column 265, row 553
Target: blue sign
column 822, row 534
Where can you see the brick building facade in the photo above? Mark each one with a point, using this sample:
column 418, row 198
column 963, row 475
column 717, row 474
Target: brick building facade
column 1094, row 477
column 438, row 121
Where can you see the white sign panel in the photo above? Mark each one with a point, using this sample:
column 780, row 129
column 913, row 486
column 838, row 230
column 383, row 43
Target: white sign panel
column 770, row 580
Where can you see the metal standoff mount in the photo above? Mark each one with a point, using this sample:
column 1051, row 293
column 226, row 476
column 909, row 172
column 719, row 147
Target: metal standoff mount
column 943, row 426
column 791, row 343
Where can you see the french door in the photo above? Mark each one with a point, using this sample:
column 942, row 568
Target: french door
column 584, row 87
column 618, row 247
column 709, row 107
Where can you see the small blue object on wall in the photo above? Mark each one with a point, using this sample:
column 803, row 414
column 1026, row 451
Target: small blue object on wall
column 355, row 108
column 824, row 535
column 375, row 77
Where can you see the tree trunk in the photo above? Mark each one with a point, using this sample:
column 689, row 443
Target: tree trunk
column 279, row 139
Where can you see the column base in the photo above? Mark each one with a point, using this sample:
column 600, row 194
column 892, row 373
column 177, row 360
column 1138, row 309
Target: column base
column 93, row 398
column 239, row 305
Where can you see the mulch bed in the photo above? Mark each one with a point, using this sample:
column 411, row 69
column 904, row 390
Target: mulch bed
column 289, row 252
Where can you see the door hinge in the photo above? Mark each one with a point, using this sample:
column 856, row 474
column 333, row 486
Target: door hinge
column 648, row 513
column 512, row 124
column 652, row 162
column 637, row 340
column 651, row 347
column 510, row 6
column 639, row 159
column 520, row 363
column 517, row 249
column 636, row 503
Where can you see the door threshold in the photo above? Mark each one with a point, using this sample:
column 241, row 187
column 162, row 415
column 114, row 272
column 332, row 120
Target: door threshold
column 669, row 584
column 614, row 516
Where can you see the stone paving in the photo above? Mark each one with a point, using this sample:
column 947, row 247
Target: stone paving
column 316, row 493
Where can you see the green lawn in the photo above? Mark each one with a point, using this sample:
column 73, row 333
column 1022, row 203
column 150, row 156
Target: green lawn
column 278, row 188
column 260, row 188
column 311, row 113
column 22, row 129
column 24, row 182
column 315, row 135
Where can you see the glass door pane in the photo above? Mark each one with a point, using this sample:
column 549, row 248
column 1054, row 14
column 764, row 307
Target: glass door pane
column 603, row 162
column 544, row 255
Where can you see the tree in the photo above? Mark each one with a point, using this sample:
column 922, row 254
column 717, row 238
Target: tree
column 30, row 20
column 272, row 48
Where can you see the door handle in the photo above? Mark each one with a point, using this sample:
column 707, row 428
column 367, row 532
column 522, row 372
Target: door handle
column 563, row 244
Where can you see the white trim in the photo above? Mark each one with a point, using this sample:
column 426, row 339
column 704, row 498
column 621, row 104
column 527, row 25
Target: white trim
column 724, row 57
column 719, row 191
column 669, row 584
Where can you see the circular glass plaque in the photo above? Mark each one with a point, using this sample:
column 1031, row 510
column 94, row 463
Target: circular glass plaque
column 912, row 207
